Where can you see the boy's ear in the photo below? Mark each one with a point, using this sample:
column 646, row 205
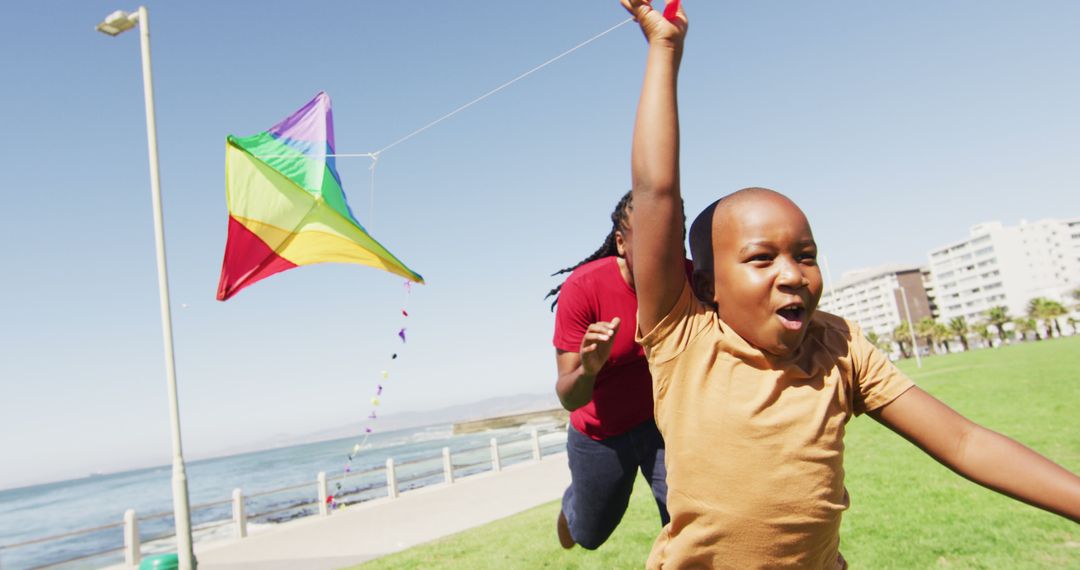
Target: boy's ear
column 702, row 284
column 620, row 244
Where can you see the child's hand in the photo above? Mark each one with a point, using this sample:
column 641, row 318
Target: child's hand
column 596, row 345
column 656, row 27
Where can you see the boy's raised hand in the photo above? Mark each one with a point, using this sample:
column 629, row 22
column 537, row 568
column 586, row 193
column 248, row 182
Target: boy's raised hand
column 659, row 257
column 596, row 345
column 669, row 27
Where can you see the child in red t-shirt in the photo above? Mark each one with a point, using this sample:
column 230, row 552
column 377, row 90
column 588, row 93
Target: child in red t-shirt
column 604, row 381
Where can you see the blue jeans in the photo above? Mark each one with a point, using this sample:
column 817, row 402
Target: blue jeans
column 602, row 477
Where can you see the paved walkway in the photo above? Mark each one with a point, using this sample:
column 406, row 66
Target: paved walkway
column 370, row 530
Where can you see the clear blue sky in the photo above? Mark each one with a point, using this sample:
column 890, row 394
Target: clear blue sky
column 895, row 126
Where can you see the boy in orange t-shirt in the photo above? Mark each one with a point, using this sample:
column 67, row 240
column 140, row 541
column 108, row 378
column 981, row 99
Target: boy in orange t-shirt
column 753, row 387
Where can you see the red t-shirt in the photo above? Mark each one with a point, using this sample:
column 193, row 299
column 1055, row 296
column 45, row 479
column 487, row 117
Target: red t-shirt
column 622, row 394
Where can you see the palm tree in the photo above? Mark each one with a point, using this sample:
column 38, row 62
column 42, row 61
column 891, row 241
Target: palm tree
column 998, row 316
column 959, row 327
column 1037, row 310
column 926, row 328
column 1051, row 311
column 880, row 342
column 984, row 332
column 886, row 345
column 942, row 335
column 1024, row 326
column 1048, row 311
column 902, row 335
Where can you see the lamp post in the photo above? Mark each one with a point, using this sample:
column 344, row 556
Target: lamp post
column 115, row 24
column 911, row 327
column 828, row 274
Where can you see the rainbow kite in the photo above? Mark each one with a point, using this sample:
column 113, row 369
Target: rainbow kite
column 286, row 205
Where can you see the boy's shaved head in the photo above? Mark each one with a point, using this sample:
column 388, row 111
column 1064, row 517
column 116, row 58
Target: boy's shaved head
column 755, row 263
column 701, row 238
column 701, row 231
column 731, row 204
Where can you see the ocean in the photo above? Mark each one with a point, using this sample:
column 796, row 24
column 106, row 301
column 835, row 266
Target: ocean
column 30, row 513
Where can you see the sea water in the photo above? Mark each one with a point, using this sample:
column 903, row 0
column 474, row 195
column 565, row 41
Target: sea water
column 51, row 509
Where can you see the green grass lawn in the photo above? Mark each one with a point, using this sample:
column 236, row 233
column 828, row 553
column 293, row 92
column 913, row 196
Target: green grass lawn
column 907, row 511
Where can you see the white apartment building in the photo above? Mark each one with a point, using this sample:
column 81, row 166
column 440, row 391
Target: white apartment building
column 872, row 297
column 1072, row 228
column 998, row 265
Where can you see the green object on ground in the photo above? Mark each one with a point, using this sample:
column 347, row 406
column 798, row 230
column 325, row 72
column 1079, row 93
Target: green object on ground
column 162, row 562
column 907, row 510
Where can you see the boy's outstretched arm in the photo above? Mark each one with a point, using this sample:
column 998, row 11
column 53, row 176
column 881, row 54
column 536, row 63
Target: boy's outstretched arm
column 657, row 218
column 981, row 455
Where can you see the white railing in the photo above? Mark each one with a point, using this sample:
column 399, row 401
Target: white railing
column 400, row 476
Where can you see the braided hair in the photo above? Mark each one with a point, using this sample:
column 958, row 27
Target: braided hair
column 620, row 217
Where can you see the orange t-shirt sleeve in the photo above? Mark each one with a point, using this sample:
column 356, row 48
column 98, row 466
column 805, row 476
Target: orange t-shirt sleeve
column 877, row 380
column 675, row 331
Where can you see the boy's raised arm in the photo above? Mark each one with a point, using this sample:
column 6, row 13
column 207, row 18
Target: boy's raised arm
column 657, row 218
column 981, row 455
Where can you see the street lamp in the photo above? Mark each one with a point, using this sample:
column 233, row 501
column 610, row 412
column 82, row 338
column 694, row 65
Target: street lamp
column 114, row 24
column 911, row 327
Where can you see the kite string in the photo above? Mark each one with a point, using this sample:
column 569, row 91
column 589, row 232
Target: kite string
column 374, row 156
column 501, row 87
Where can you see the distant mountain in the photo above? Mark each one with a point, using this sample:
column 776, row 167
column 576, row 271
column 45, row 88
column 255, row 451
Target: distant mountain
column 489, row 408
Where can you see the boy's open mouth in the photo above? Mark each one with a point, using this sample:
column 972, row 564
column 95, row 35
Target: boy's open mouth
column 792, row 316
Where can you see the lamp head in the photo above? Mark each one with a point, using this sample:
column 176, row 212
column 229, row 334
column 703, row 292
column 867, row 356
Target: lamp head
column 117, row 23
